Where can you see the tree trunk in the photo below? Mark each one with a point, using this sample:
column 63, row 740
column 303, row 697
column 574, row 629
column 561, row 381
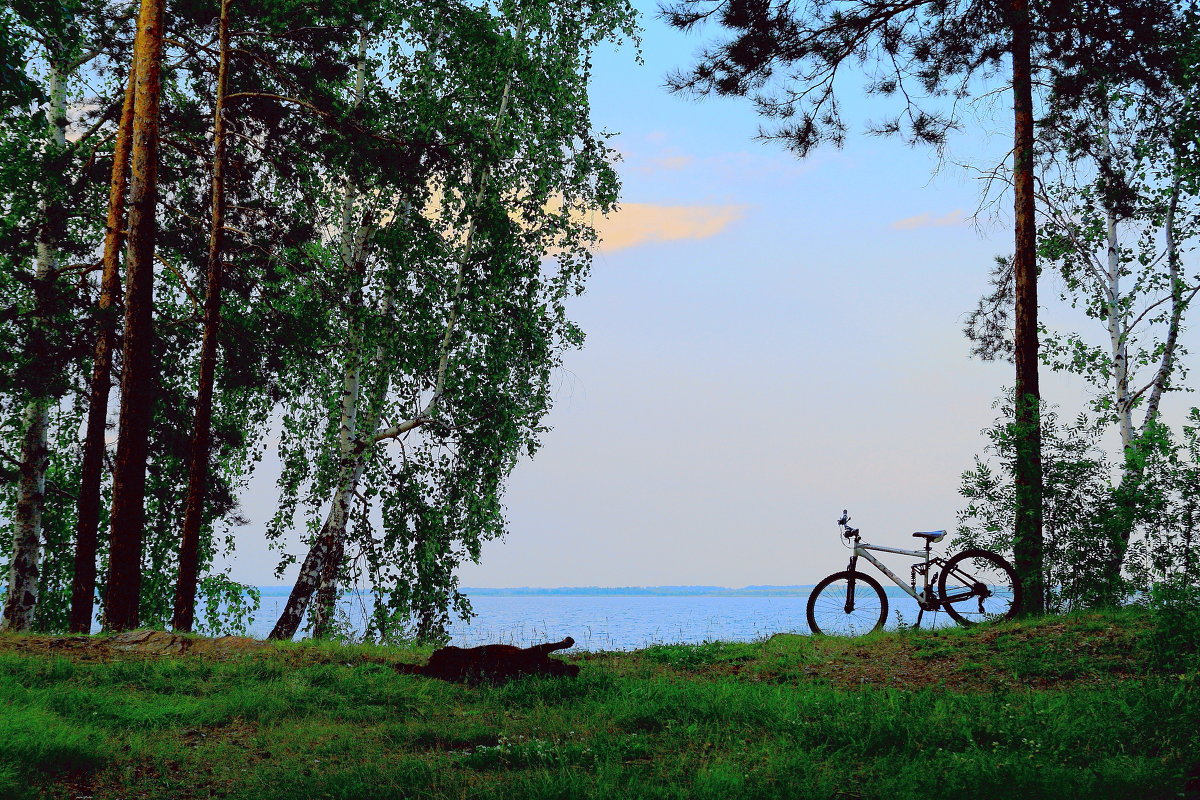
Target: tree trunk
column 21, row 600
column 1180, row 298
column 1123, row 513
column 1116, row 331
column 137, row 377
column 324, row 608
column 1027, row 537
column 1135, row 467
column 329, row 542
column 1114, row 319
column 189, row 551
column 83, row 584
column 324, row 557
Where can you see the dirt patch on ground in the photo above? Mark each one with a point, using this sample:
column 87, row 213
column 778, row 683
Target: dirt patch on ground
column 1045, row 656
column 142, row 642
column 1077, row 652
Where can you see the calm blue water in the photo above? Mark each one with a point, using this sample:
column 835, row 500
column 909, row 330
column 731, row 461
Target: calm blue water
column 622, row 622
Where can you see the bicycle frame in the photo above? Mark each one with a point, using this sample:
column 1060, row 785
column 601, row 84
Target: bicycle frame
column 861, row 550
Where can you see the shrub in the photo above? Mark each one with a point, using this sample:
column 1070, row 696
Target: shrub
column 1174, row 640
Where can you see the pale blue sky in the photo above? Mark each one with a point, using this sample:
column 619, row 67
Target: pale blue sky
column 737, row 391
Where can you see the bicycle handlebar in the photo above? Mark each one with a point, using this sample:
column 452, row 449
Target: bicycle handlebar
column 847, row 531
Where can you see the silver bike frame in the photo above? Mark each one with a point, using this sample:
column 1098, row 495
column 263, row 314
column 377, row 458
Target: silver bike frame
column 861, row 550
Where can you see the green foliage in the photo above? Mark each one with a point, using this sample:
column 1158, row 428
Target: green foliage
column 226, row 606
column 450, row 311
column 1085, row 513
column 1169, row 499
column 431, row 162
column 690, row 656
column 1077, row 505
column 1174, row 640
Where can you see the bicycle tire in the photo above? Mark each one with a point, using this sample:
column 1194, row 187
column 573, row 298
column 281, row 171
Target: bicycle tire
column 972, row 568
column 828, row 597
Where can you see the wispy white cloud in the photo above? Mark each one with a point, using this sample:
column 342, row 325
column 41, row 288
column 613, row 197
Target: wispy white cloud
column 642, row 223
column 927, row 220
column 742, row 165
column 665, row 163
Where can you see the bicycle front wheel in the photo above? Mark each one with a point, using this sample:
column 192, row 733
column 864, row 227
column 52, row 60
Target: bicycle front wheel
column 979, row 586
column 835, row 610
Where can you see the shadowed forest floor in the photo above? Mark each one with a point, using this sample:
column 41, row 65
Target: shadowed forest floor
column 1062, row 707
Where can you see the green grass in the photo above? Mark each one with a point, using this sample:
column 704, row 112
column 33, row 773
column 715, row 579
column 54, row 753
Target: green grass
column 1074, row 707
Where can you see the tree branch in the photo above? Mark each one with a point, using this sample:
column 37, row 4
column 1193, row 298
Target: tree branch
column 182, row 281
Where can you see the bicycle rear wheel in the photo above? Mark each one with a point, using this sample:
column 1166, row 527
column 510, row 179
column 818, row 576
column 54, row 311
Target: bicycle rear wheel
column 979, row 586
column 831, row 612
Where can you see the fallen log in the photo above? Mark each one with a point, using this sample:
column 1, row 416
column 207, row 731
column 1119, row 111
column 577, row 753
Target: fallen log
column 493, row 663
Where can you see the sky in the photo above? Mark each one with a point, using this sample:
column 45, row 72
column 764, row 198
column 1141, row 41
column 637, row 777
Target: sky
column 769, row 341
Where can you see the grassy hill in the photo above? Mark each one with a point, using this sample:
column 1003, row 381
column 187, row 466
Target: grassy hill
column 1083, row 706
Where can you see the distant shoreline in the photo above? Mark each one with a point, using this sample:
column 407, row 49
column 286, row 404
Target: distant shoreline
column 609, row 591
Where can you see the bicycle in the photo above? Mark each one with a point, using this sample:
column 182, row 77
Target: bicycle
column 971, row 586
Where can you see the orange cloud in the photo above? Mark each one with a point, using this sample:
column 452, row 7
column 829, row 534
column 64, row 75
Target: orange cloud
column 641, row 223
column 928, row 220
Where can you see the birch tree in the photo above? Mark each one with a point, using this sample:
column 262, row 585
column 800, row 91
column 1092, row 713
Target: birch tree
column 1119, row 244
column 21, row 599
column 1118, row 215
column 454, row 321
column 58, row 32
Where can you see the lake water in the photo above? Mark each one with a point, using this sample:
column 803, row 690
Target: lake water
column 625, row 622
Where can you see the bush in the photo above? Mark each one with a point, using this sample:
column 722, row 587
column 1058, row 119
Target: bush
column 1092, row 504
column 1174, row 640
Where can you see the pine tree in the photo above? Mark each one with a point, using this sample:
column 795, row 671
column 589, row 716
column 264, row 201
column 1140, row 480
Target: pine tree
column 924, row 52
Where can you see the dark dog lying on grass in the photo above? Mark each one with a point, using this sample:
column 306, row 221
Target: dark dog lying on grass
column 493, row 663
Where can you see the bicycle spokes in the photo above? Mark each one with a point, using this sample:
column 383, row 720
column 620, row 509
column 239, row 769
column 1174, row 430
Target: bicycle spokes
column 978, row 586
column 847, row 604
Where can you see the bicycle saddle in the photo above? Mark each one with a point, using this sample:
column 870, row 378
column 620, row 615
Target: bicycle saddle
column 932, row 536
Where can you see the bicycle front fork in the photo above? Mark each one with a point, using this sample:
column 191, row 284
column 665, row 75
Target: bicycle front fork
column 849, row 607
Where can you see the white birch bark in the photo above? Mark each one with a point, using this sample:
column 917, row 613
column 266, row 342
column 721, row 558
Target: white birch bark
column 1114, row 321
column 1117, row 334
column 1180, row 299
column 21, row 601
